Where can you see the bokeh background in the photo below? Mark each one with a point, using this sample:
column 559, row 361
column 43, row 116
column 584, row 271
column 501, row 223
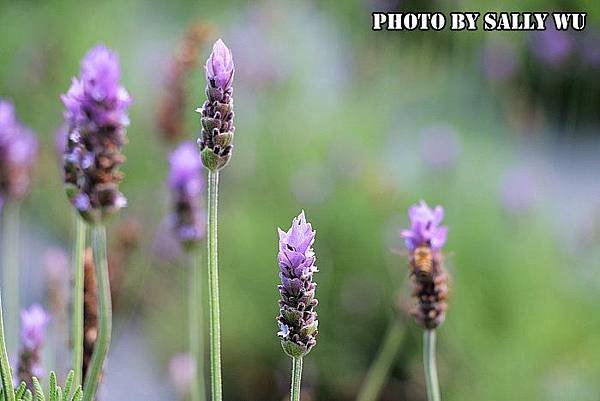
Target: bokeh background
column 352, row 126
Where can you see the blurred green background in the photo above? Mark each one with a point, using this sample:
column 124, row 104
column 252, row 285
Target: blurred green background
column 352, row 126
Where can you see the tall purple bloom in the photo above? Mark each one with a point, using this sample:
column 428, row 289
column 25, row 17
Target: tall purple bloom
column 96, row 115
column 297, row 317
column 186, row 183
column 217, row 111
column 33, row 331
column 18, row 150
column 424, row 241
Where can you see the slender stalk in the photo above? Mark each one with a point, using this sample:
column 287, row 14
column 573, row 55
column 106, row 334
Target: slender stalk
column 77, row 317
column 105, row 314
column 431, row 378
column 6, row 375
column 380, row 368
column 296, row 379
column 196, row 318
column 213, row 289
column 10, row 265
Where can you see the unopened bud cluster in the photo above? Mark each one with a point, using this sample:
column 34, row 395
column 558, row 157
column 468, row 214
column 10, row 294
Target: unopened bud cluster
column 217, row 111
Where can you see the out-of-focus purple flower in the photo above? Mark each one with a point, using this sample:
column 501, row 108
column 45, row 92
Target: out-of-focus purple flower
column 551, row 46
column 297, row 317
column 429, row 279
column 182, row 369
column 18, row 151
column 33, row 326
column 33, row 332
column 499, row 59
column 518, row 189
column 219, row 66
column 440, row 146
column 425, row 227
column 217, row 111
column 186, row 183
column 96, row 115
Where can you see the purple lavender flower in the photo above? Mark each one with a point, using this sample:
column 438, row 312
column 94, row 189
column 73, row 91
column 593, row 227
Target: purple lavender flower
column 182, row 370
column 424, row 241
column 217, row 111
column 33, row 330
column 425, row 227
column 18, row 150
column 96, row 115
column 297, row 317
column 186, row 183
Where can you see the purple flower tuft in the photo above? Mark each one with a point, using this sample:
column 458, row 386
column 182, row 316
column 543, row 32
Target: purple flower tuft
column 219, row 66
column 186, row 183
column 425, row 227
column 217, row 111
column 96, row 117
column 18, row 150
column 297, row 317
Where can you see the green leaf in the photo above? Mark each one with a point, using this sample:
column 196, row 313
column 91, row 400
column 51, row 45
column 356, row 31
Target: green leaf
column 20, row 391
column 68, row 386
column 39, row 393
column 28, row 396
column 53, row 387
column 78, row 396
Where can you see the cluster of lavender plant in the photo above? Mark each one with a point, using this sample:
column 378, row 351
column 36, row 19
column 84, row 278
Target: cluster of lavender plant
column 95, row 126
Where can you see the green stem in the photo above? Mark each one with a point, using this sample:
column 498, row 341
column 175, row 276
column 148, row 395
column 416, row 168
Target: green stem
column 77, row 317
column 10, row 250
column 380, row 368
column 296, row 379
column 6, row 375
column 5, row 372
column 196, row 318
column 431, row 378
column 213, row 289
column 105, row 314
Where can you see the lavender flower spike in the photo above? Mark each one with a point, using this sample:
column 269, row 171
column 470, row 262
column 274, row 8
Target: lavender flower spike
column 96, row 116
column 18, row 150
column 297, row 317
column 424, row 241
column 217, row 111
column 34, row 321
column 186, row 183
